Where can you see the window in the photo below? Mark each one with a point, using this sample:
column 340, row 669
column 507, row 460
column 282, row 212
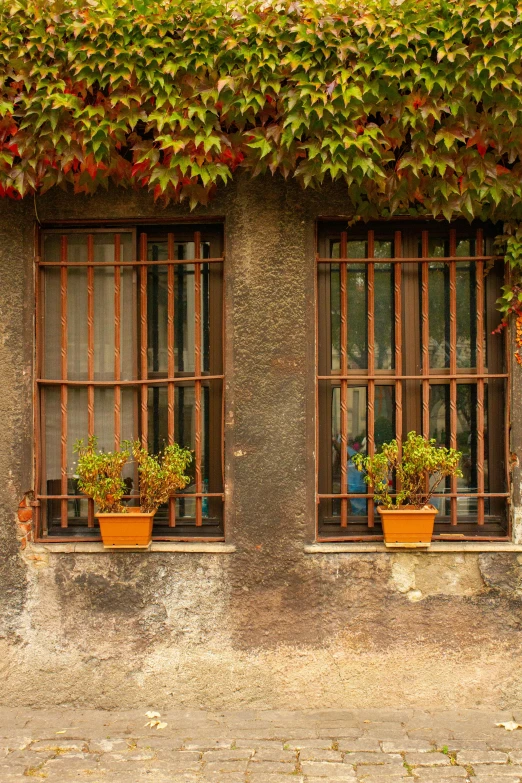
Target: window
column 130, row 349
column 405, row 319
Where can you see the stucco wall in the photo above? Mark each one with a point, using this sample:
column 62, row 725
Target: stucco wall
column 267, row 625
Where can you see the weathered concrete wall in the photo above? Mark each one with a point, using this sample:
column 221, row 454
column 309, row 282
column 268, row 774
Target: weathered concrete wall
column 268, row 625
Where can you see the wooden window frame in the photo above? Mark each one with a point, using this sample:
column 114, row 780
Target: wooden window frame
column 142, row 380
column 408, row 369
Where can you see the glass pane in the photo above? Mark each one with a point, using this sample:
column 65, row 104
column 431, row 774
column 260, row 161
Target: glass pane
column 357, row 320
column 104, row 323
column 52, row 324
column 52, row 247
column 335, row 316
column 184, row 424
column 157, row 321
column 212, row 320
column 128, row 310
column 77, row 426
column 440, row 431
column 438, row 247
column 51, row 419
column 184, row 318
column 384, row 309
column 384, row 430
column 212, row 512
column 77, row 248
column 77, row 323
column 357, row 249
column 104, row 418
column 466, row 314
column 357, row 413
column 103, row 248
column 465, row 247
column 205, row 316
column 439, row 323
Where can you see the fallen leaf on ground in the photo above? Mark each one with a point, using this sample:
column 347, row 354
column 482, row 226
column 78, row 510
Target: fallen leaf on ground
column 510, row 725
column 152, row 714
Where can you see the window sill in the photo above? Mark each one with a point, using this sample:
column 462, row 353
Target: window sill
column 438, row 547
column 96, row 547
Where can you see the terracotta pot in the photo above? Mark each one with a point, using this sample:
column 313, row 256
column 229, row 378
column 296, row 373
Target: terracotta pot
column 408, row 527
column 131, row 530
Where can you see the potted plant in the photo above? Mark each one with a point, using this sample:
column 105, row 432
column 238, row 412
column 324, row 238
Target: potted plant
column 407, row 515
column 100, row 477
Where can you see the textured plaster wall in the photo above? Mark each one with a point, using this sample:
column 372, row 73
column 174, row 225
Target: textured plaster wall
column 268, row 625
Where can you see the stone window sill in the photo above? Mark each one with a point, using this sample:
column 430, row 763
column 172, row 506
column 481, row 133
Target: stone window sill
column 438, row 547
column 96, row 547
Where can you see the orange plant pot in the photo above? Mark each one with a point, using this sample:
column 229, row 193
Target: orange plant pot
column 408, row 527
column 131, row 530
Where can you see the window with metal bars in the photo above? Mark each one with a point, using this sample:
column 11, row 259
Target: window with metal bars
column 405, row 315
column 130, row 346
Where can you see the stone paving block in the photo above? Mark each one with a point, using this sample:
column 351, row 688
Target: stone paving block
column 299, row 744
column 339, row 779
column 427, row 759
column 368, row 744
column 481, row 757
column 407, row 745
column 207, row 743
column 424, row 774
column 325, row 769
column 455, row 745
column 131, row 755
column 280, row 767
column 500, row 770
column 105, row 745
column 316, row 754
column 385, row 731
column 229, row 754
column 440, row 780
column 59, row 746
column 506, row 777
column 385, row 714
column 338, row 732
column 263, row 778
column 506, row 742
column 379, row 778
column 253, row 744
column 393, row 770
column 372, row 758
column 225, row 766
column 273, row 754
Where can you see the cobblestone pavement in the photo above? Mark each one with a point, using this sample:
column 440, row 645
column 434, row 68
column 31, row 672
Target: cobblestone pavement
column 343, row 746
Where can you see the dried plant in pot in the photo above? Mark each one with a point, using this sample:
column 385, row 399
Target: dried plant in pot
column 418, row 469
column 100, row 477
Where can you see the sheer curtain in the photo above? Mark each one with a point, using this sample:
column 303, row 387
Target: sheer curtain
column 104, row 289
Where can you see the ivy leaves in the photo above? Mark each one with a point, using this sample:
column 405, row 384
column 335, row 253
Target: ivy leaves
column 415, row 106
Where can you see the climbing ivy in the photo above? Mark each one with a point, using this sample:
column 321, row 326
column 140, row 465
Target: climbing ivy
column 415, row 105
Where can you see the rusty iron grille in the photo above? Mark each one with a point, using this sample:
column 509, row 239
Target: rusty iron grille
column 405, row 315
column 129, row 336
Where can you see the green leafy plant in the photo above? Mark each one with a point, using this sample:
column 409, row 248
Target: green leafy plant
column 418, row 468
column 160, row 475
column 414, row 105
column 99, row 474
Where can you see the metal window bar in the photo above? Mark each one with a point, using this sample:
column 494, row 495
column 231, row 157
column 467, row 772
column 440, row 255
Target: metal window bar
column 140, row 382
column 451, row 375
